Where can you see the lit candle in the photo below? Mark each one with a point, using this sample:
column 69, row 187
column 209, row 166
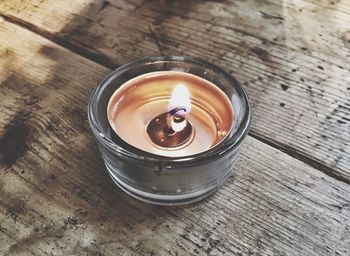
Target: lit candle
column 169, row 129
column 170, row 113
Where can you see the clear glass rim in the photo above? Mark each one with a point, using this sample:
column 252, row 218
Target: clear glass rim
column 137, row 154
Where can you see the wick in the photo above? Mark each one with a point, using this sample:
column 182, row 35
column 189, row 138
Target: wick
column 173, row 117
column 161, row 129
column 175, row 110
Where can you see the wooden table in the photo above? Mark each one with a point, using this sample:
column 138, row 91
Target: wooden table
column 289, row 193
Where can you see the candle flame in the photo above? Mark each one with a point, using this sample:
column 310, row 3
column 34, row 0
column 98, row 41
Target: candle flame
column 180, row 98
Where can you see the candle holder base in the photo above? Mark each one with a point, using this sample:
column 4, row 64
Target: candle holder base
column 166, row 200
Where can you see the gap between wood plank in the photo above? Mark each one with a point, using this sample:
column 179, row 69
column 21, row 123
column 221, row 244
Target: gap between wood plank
column 104, row 61
column 98, row 58
column 293, row 152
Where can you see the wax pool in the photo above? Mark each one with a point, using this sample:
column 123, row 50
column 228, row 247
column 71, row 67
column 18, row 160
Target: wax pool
column 134, row 104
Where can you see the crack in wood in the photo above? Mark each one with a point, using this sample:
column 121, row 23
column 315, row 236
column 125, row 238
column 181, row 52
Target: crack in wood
column 293, row 152
column 270, row 16
column 156, row 40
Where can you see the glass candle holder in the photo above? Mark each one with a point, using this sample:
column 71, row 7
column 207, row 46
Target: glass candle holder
column 161, row 179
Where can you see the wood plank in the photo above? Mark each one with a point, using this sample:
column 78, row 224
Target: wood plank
column 293, row 58
column 56, row 197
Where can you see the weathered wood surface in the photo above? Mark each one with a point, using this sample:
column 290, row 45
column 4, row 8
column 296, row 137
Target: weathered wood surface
column 57, row 199
column 293, row 57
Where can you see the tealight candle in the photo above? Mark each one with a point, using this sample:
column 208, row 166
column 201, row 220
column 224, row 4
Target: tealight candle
column 169, row 128
column 170, row 113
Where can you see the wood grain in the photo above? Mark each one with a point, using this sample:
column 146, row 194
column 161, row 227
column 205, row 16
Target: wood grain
column 292, row 57
column 57, row 199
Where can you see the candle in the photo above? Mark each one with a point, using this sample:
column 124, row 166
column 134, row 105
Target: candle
column 170, row 113
column 169, row 129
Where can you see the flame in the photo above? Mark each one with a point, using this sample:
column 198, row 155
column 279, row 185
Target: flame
column 180, row 98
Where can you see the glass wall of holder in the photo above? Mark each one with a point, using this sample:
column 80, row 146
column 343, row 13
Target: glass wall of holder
column 168, row 180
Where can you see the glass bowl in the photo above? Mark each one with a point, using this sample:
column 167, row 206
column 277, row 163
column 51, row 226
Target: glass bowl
column 168, row 180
